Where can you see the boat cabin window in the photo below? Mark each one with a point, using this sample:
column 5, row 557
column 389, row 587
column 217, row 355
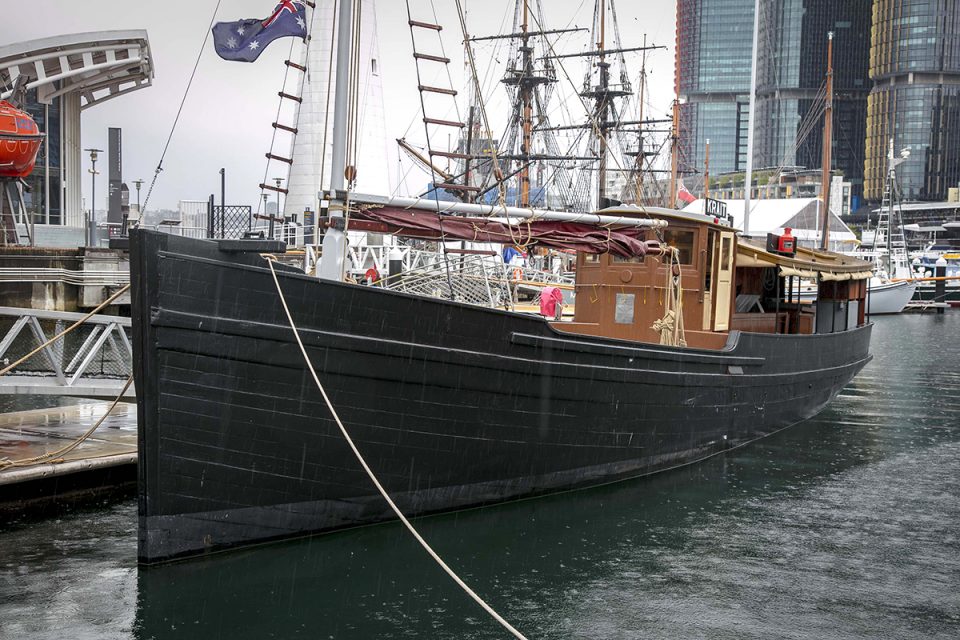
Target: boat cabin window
column 726, row 251
column 708, row 267
column 634, row 259
column 681, row 240
column 592, row 258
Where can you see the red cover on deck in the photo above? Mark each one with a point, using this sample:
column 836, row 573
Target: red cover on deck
column 624, row 241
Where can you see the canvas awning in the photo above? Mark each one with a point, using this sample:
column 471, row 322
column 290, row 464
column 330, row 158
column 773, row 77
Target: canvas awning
column 620, row 241
column 807, row 263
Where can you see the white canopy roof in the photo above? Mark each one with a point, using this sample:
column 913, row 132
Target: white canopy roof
column 99, row 66
column 802, row 215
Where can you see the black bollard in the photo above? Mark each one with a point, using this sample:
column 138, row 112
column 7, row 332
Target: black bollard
column 395, row 264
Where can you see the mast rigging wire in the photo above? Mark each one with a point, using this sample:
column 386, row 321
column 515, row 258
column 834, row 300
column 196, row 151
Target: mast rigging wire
column 183, row 101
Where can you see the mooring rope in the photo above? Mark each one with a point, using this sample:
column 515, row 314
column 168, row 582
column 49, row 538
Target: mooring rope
column 373, row 478
column 28, row 462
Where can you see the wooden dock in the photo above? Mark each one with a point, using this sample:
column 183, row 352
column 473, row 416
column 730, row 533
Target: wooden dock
column 104, row 463
column 920, row 306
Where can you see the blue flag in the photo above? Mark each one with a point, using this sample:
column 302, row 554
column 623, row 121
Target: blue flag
column 243, row 40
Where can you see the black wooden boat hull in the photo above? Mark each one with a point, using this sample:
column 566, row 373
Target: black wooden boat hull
column 452, row 405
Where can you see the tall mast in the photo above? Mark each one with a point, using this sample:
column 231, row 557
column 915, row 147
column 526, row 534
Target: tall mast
column 748, row 178
column 334, row 240
column 706, row 171
column 603, row 102
column 827, row 146
column 638, row 187
column 674, row 153
column 529, row 86
column 526, row 99
column 891, row 167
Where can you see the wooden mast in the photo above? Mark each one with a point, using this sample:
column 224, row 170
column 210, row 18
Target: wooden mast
column 827, row 146
column 601, row 111
column 675, row 127
column 706, row 171
column 527, row 106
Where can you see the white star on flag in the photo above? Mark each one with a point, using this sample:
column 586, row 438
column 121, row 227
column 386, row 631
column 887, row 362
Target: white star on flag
column 303, row 25
column 232, row 43
column 240, row 30
column 254, row 45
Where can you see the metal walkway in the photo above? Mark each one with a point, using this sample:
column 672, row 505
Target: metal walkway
column 94, row 361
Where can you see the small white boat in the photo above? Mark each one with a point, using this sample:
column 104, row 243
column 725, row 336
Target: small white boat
column 889, row 297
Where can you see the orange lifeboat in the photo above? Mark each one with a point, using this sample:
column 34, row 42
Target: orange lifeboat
column 19, row 142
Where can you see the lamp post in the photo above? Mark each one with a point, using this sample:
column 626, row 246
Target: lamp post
column 138, row 183
column 279, row 181
column 266, row 197
column 92, row 224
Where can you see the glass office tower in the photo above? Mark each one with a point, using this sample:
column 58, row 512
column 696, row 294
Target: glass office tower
column 915, row 68
column 790, row 78
column 714, row 46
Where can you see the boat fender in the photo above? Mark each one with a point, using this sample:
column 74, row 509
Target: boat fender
column 395, row 259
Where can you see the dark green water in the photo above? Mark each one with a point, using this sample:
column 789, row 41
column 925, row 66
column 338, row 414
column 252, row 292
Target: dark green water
column 847, row 526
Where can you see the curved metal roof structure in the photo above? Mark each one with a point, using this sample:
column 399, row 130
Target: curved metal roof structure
column 98, row 66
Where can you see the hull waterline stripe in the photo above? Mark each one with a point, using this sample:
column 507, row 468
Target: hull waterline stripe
column 383, row 492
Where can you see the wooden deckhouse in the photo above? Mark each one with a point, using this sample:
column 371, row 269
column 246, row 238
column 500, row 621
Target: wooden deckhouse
column 727, row 284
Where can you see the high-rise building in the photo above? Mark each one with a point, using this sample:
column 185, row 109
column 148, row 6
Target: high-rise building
column 714, row 48
column 915, row 68
column 791, row 74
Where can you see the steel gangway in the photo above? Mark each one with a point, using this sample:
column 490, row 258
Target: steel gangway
column 93, row 361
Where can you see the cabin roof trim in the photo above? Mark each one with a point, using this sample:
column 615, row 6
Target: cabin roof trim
column 806, row 260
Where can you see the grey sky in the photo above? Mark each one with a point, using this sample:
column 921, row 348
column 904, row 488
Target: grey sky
column 227, row 116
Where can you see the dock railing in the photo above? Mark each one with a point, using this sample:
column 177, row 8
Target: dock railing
column 92, row 361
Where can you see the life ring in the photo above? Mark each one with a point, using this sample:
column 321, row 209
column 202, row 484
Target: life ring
column 517, row 274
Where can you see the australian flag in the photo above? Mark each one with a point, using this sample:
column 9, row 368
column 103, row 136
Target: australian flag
column 243, row 40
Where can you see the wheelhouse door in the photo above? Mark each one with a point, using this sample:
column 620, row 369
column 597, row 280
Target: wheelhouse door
column 724, row 282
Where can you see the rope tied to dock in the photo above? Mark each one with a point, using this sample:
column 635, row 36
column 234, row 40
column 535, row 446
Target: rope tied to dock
column 373, row 478
column 6, row 463
column 53, row 456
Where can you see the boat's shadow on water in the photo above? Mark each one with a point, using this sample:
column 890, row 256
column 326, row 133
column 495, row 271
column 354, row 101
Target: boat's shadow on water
column 539, row 562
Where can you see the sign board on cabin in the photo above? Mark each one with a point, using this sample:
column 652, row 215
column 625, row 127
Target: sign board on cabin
column 717, row 209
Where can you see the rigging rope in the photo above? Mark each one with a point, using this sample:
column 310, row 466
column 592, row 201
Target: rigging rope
column 595, row 125
column 426, row 131
column 176, row 120
column 326, row 108
column 483, row 107
column 373, row 478
column 670, row 327
column 273, row 138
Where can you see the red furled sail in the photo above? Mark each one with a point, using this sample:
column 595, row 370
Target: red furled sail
column 623, row 241
column 19, row 142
